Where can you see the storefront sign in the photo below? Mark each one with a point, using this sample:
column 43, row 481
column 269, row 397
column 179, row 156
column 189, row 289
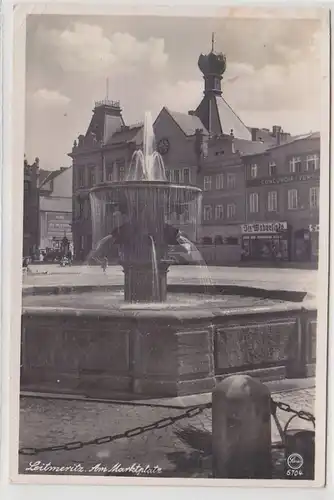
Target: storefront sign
column 264, row 228
column 313, row 228
column 58, row 223
column 283, row 179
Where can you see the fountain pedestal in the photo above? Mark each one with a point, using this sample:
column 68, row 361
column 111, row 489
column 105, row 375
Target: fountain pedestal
column 140, row 283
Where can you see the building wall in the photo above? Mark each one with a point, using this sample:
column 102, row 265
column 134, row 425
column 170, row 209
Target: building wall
column 222, row 180
column 91, row 166
column 56, row 210
column 181, row 153
column 182, row 166
column 30, row 209
column 299, row 218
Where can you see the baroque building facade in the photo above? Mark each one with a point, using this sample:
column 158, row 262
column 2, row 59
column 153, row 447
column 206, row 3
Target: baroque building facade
column 282, row 209
column 209, row 147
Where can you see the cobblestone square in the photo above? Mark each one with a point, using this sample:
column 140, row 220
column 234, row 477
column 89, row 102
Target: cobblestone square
column 179, row 450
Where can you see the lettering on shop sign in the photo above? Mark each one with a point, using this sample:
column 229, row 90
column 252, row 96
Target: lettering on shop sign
column 269, row 227
column 283, row 179
column 313, row 228
column 58, row 222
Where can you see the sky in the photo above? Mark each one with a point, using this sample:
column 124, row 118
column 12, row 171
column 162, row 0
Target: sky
column 273, row 74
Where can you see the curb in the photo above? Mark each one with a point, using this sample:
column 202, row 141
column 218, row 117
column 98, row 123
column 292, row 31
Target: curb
column 276, row 387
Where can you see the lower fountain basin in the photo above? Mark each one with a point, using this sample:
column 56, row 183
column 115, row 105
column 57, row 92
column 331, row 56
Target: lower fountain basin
column 96, row 345
column 113, row 300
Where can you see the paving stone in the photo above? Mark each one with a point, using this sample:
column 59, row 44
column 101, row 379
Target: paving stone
column 180, row 450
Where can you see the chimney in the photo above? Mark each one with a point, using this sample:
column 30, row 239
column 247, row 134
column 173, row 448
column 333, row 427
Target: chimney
column 277, row 131
column 254, row 134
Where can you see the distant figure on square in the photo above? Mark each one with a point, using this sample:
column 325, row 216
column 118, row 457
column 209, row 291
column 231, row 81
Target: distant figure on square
column 69, row 257
column 104, row 264
column 25, row 265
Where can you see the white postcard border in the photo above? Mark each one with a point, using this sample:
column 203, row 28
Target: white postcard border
column 13, row 254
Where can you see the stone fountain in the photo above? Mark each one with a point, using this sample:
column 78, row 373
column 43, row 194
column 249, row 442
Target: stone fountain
column 135, row 214
column 91, row 340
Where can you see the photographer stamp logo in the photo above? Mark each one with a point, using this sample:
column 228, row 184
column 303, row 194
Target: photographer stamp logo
column 295, row 463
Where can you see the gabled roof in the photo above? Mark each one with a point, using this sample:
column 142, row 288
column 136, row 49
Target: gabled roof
column 229, row 120
column 264, row 135
column 52, row 175
column 127, row 134
column 43, row 174
column 111, row 125
column 311, row 135
column 105, row 121
column 187, row 123
column 246, row 148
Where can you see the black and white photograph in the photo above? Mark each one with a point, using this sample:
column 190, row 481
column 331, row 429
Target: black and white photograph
column 172, row 229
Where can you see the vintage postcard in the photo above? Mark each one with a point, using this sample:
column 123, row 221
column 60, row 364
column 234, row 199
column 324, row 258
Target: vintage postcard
column 171, row 169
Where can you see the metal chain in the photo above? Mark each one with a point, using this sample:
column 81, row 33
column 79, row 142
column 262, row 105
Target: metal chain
column 159, row 424
column 136, row 431
column 304, row 415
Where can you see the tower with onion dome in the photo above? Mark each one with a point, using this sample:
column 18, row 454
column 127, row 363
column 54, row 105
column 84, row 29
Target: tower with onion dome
column 214, row 112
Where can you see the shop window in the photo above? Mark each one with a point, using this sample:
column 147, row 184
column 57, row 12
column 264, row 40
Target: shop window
column 272, row 201
column 207, row 183
column 231, row 181
column 292, row 199
column 295, row 164
column 253, row 203
column 253, row 171
column 312, row 162
column 232, row 241
column 219, row 212
column 231, row 211
column 218, row 240
column 186, row 176
column 220, row 181
column 207, row 212
column 272, row 168
column 314, row 197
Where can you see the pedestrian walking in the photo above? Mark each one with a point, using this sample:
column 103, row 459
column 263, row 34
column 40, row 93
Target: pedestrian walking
column 104, row 264
column 69, row 257
column 25, row 265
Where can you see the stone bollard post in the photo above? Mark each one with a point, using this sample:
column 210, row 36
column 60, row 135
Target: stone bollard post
column 241, row 429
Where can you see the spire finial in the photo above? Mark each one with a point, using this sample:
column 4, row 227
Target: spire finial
column 213, row 42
